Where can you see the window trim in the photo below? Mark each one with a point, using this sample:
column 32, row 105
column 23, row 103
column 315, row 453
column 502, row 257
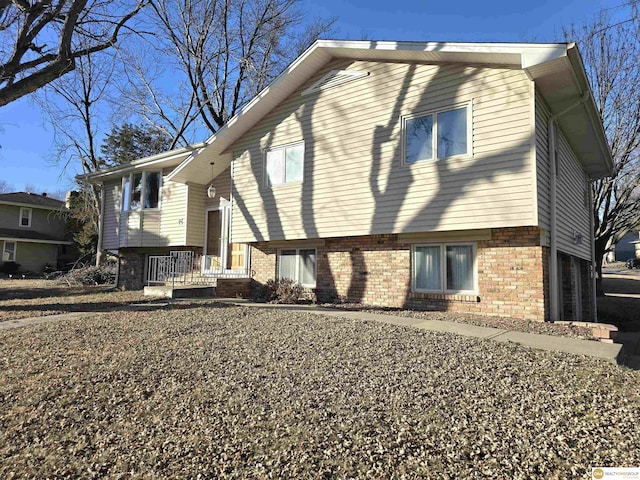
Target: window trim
column 434, row 137
column 297, row 250
column 30, row 216
column 143, row 191
column 443, row 273
column 265, row 181
column 15, row 250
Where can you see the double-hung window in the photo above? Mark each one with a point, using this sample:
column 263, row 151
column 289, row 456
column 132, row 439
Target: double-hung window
column 437, row 135
column 25, row 217
column 285, row 164
column 9, row 252
column 299, row 265
column 444, row 268
column 141, row 190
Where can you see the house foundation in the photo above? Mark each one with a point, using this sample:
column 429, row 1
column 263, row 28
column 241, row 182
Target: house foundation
column 133, row 264
column 511, row 272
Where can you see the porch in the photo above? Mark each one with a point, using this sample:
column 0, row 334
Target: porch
column 188, row 274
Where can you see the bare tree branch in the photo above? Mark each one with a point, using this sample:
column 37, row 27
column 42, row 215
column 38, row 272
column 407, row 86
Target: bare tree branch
column 81, row 27
column 611, row 51
column 221, row 53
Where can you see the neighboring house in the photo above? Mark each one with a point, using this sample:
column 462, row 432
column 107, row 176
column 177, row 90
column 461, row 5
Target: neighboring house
column 628, row 247
column 432, row 175
column 32, row 229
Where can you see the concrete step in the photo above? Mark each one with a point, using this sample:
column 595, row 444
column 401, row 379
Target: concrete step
column 182, row 291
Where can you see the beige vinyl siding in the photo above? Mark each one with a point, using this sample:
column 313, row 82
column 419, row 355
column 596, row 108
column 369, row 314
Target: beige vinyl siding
column 573, row 209
column 542, row 163
column 195, row 215
column 354, row 179
column 572, row 214
column 543, row 172
column 151, row 236
column 133, row 234
column 143, row 229
column 111, row 215
column 173, row 205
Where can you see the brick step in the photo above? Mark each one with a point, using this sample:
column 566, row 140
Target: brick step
column 602, row 331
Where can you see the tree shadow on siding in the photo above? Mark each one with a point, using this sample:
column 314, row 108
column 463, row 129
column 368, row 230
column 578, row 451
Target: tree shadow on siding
column 390, row 182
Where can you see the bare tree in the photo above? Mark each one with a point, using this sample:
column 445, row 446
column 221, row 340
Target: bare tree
column 611, row 50
column 219, row 53
column 41, row 40
column 5, row 187
column 74, row 105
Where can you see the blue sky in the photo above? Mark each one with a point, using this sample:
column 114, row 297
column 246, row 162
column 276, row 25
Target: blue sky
column 26, row 141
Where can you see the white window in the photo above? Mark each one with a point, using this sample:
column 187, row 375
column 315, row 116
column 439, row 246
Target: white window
column 285, row 164
column 440, row 134
column 9, row 252
column 444, row 268
column 141, row 190
column 25, row 217
column 298, row 265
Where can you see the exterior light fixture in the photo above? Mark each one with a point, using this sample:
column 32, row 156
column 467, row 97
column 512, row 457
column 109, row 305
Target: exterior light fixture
column 211, row 191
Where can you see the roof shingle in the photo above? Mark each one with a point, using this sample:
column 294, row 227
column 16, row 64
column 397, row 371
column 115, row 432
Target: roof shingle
column 31, row 199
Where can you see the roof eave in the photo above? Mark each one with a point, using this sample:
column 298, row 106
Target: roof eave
column 525, row 56
column 61, row 208
column 592, row 110
column 152, row 161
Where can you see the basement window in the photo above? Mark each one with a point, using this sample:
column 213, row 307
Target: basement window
column 444, row 268
column 299, row 265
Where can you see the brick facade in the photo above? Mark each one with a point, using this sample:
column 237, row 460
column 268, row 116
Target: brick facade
column 233, row 287
column 376, row 270
column 133, row 263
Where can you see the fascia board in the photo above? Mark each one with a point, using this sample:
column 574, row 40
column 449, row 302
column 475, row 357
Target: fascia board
column 153, row 160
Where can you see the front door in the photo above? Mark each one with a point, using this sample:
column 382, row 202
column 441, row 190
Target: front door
column 213, row 253
column 220, row 255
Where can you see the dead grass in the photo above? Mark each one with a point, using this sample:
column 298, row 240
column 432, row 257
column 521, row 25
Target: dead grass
column 35, row 298
column 228, row 392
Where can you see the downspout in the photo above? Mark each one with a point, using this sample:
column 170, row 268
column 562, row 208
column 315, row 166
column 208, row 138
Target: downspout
column 594, row 305
column 554, row 288
column 100, row 225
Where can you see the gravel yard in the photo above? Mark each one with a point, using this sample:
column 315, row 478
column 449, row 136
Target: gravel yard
column 506, row 323
column 233, row 392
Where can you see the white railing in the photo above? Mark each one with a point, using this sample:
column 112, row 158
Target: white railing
column 177, row 267
column 185, row 267
column 212, row 267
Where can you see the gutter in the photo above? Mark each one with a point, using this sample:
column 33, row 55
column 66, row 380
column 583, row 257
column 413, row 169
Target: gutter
column 35, row 240
column 554, row 289
column 142, row 162
column 100, row 226
column 594, row 304
column 61, row 208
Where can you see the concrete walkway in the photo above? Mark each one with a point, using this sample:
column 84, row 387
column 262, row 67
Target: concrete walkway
column 607, row 351
column 25, row 322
